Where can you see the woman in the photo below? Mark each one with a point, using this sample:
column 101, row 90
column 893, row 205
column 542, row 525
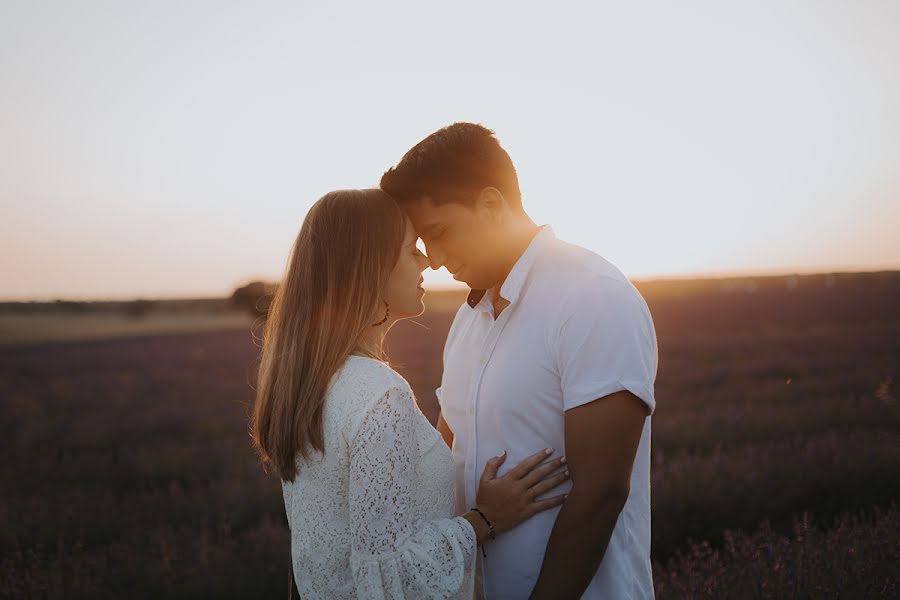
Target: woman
column 367, row 481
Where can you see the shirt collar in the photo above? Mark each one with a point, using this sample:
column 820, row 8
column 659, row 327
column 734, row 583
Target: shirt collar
column 517, row 276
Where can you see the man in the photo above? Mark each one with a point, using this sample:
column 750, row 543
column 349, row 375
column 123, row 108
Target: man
column 553, row 348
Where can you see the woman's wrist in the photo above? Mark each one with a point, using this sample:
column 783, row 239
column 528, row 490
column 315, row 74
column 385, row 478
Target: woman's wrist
column 490, row 526
column 482, row 531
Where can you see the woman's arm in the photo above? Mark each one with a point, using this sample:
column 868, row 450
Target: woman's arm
column 392, row 554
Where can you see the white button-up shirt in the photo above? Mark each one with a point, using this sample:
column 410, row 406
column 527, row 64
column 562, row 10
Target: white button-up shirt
column 575, row 330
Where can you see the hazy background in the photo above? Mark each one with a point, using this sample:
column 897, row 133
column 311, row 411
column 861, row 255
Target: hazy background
column 173, row 148
column 160, row 156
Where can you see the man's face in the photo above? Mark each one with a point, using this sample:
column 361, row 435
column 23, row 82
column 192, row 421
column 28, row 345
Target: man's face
column 461, row 238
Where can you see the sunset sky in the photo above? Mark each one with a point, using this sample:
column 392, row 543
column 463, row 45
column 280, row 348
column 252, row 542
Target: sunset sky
column 162, row 149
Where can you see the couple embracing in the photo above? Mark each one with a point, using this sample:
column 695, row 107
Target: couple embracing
column 536, row 482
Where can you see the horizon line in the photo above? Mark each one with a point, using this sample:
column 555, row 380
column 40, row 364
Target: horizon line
column 450, row 287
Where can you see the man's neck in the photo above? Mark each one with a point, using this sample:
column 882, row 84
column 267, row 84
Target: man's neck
column 519, row 242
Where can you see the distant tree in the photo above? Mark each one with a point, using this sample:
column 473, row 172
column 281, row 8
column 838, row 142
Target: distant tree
column 71, row 305
column 138, row 309
column 255, row 297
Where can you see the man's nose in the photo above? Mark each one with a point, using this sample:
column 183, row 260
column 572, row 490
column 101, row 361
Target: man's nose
column 436, row 258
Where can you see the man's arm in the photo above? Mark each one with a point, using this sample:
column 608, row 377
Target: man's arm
column 602, row 438
column 444, row 430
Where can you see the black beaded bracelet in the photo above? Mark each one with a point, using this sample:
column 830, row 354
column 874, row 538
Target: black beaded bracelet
column 491, row 534
column 490, row 526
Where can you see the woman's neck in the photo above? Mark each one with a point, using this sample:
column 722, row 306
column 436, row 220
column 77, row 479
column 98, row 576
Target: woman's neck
column 371, row 343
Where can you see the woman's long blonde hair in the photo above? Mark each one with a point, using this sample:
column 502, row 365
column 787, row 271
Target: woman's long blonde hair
column 330, row 295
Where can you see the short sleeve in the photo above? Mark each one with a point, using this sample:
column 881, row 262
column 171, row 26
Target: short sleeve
column 394, row 555
column 606, row 344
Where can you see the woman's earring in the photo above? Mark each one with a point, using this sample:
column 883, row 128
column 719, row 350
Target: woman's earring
column 386, row 314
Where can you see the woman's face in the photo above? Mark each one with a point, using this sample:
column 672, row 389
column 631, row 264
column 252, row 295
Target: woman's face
column 404, row 291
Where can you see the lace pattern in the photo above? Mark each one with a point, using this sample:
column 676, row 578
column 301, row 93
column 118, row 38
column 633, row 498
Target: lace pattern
column 373, row 516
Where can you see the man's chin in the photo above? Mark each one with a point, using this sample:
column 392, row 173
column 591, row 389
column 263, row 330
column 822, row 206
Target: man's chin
column 464, row 276
column 474, row 284
column 464, row 279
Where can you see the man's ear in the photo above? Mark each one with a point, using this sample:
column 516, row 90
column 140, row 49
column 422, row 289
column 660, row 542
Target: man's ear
column 491, row 200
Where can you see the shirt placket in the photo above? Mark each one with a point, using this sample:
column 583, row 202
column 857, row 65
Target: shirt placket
column 487, row 349
column 472, row 478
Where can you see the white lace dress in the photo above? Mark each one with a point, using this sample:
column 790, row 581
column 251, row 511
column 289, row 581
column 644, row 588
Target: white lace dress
column 373, row 516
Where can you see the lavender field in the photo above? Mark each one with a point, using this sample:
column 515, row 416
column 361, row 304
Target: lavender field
column 127, row 469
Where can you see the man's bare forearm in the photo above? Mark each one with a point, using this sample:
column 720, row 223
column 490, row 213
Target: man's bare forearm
column 577, row 544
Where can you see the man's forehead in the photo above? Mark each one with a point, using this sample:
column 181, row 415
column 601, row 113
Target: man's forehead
column 425, row 214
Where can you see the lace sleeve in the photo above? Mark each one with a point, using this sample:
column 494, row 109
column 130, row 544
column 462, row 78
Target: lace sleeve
column 393, row 555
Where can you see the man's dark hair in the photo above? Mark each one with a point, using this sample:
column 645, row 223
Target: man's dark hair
column 454, row 164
